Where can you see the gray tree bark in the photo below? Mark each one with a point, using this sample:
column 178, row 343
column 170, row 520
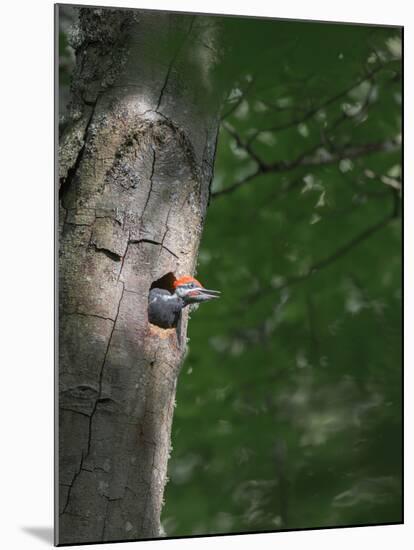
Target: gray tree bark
column 135, row 166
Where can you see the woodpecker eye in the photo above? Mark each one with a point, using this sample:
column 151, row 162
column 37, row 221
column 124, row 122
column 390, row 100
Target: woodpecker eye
column 189, row 285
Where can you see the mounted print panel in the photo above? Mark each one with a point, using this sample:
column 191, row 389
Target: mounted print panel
column 229, row 275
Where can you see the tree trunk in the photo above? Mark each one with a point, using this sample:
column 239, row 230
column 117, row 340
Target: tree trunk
column 136, row 161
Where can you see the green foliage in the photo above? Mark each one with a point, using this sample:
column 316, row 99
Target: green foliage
column 289, row 403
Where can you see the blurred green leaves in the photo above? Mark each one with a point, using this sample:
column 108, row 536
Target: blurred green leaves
column 289, row 403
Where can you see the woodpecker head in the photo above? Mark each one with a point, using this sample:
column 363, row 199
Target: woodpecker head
column 192, row 291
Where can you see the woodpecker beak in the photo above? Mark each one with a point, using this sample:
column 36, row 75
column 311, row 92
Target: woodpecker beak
column 198, row 295
column 203, row 294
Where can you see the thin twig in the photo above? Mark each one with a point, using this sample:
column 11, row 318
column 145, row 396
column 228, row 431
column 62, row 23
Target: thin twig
column 245, row 146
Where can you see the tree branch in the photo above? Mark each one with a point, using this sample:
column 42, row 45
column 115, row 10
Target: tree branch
column 313, row 111
column 335, row 255
column 308, row 159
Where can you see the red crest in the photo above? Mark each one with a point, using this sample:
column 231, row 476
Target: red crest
column 186, row 279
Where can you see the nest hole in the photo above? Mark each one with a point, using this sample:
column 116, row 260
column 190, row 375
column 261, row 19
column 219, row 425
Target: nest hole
column 166, row 282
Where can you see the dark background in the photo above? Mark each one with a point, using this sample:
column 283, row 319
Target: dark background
column 289, row 401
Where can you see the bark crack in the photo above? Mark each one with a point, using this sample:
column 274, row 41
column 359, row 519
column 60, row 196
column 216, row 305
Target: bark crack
column 123, row 259
column 109, row 253
column 99, row 397
column 172, row 63
column 165, row 234
column 72, row 484
column 63, row 408
column 66, row 182
column 150, row 241
column 90, row 315
column 94, row 408
column 210, row 183
column 151, row 183
column 144, row 516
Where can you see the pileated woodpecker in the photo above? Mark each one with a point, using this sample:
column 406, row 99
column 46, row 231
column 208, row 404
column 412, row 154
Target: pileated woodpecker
column 164, row 308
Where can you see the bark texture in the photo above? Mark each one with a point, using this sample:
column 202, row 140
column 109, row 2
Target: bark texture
column 136, row 161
